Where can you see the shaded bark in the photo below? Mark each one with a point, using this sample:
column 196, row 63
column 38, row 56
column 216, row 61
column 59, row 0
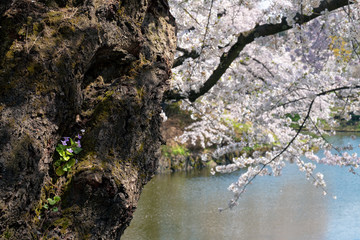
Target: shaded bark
column 66, row 65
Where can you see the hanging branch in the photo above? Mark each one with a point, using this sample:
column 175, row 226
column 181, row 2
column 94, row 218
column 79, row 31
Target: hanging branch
column 238, row 195
column 298, row 131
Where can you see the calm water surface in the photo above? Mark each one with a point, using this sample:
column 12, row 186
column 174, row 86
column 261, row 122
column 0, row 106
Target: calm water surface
column 184, row 206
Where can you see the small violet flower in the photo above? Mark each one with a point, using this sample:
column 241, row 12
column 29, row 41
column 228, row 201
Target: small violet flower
column 63, row 142
column 79, row 136
column 69, row 150
column 66, row 139
column 78, row 143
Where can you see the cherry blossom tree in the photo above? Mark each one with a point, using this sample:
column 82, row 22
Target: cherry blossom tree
column 258, row 74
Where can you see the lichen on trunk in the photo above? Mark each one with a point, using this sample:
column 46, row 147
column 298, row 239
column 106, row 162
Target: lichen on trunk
column 67, row 65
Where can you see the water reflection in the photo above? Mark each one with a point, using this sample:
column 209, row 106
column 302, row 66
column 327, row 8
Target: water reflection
column 184, row 206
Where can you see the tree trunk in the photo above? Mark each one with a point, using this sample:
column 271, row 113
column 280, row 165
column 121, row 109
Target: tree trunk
column 67, row 65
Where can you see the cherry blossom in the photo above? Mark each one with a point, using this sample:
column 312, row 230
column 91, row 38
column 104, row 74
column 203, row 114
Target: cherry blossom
column 257, row 74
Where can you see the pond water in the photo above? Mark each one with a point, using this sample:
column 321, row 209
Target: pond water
column 185, row 206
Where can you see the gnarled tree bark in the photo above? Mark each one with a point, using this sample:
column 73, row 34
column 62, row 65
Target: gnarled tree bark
column 66, row 65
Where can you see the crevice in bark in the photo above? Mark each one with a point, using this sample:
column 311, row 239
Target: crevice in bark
column 80, row 65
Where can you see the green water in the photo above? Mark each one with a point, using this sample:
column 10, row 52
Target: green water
column 184, row 206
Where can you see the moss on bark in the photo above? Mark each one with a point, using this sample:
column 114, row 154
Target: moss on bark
column 71, row 65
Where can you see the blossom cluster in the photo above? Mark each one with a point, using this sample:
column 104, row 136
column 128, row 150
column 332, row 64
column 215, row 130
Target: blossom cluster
column 277, row 87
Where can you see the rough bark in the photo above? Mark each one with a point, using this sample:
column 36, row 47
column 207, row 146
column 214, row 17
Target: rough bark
column 66, row 65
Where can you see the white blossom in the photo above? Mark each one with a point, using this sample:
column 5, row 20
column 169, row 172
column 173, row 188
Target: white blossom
column 300, row 78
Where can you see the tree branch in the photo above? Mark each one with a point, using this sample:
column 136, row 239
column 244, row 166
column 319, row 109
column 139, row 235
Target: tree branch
column 180, row 60
column 248, row 37
column 238, row 195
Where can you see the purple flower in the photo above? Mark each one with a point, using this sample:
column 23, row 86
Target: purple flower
column 66, row 139
column 79, row 136
column 69, row 150
column 63, row 142
column 78, row 143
